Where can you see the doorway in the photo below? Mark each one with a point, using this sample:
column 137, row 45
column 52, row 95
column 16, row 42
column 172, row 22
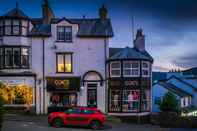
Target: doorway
column 92, row 95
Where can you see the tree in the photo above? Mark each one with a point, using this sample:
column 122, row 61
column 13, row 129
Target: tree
column 169, row 103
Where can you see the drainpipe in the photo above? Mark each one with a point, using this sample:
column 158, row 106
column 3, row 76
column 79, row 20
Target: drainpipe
column 43, row 72
column 105, row 80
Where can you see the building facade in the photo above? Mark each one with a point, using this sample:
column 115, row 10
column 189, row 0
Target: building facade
column 58, row 62
column 129, row 79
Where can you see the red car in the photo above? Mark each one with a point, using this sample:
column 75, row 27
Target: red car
column 80, row 116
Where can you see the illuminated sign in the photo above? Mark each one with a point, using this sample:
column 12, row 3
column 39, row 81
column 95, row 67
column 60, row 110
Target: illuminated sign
column 62, row 83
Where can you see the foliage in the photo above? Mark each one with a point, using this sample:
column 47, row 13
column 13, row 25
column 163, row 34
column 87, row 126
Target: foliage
column 169, row 103
column 1, row 107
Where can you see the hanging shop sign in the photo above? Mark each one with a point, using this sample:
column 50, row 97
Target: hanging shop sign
column 63, row 83
column 12, row 82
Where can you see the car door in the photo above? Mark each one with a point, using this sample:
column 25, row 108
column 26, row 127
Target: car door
column 72, row 116
column 85, row 116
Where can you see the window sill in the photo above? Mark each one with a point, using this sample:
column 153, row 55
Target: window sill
column 59, row 41
column 64, row 72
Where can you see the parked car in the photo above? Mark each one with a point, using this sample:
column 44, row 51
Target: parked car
column 78, row 116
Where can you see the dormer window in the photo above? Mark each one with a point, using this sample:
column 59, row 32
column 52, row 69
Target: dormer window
column 8, row 27
column 64, row 34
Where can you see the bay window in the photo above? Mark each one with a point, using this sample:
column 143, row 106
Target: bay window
column 14, row 57
column 131, row 68
column 14, row 27
column 145, row 69
column 115, row 69
column 64, row 33
column 64, row 62
column 115, row 100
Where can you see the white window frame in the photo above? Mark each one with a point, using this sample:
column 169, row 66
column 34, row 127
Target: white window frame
column 115, row 69
column 131, row 69
column 146, row 68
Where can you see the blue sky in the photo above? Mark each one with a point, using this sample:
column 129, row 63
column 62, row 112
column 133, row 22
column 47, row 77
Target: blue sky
column 170, row 26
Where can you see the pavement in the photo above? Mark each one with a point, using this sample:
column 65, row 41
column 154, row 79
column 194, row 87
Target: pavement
column 15, row 122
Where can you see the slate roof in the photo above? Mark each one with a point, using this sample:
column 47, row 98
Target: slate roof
column 128, row 53
column 174, row 89
column 191, row 71
column 87, row 27
column 15, row 13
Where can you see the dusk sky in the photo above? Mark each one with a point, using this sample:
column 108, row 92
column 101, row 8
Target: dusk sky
column 170, row 26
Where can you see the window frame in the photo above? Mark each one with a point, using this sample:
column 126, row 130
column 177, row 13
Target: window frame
column 115, row 69
column 64, row 54
column 145, row 69
column 20, row 66
column 131, row 69
column 64, row 32
column 11, row 26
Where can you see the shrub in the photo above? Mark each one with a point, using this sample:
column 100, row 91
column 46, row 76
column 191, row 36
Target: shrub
column 1, row 111
column 169, row 103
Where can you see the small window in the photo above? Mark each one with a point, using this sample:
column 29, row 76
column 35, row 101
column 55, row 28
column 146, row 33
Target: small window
column 115, row 69
column 8, row 27
column 64, row 33
column 131, row 68
column 1, row 27
column 73, row 111
column 145, row 69
column 64, row 63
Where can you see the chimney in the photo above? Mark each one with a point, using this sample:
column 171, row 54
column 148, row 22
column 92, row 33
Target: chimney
column 103, row 12
column 139, row 42
column 47, row 12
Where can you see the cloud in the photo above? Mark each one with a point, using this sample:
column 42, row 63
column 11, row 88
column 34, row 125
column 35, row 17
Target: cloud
column 187, row 61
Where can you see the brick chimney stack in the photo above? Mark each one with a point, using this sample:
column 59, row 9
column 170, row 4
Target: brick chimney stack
column 139, row 42
column 47, row 12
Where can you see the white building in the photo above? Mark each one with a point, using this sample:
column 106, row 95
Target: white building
column 60, row 60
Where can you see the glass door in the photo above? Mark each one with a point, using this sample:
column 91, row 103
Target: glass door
column 92, row 95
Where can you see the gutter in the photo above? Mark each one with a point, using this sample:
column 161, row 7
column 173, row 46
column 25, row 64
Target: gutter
column 43, row 72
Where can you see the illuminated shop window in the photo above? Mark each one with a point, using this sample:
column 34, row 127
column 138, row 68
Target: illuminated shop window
column 115, row 69
column 130, row 100
column 64, row 63
column 145, row 100
column 17, row 95
column 115, row 100
column 131, row 68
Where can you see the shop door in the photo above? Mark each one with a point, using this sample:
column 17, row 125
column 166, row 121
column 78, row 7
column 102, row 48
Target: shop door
column 92, row 95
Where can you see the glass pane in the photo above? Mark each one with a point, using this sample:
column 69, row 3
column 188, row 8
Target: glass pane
column 24, row 30
column 135, row 72
column 24, row 23
column 8, row 22
column 16, row 58
column 145, row 72
column 68, row 66
column 8, row 57
column 16, row 22
column 127, row 64
column 60, row 63
column 115, row 100
column 115, row 72
column 16, row 30
column 60, row 33
column 25, row 57
column 115, row 65
column 8, row 30
column 135, row 65
column 144, row 65
column 130, row 100
column 127, row 72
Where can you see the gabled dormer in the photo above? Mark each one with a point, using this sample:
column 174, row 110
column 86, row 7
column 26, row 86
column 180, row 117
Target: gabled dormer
column 14, row 23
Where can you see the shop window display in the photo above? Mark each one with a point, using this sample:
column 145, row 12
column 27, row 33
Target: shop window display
column 115, row 100
column 130, row 100
column 63, row 99
column 17, row 95
column 145, row 100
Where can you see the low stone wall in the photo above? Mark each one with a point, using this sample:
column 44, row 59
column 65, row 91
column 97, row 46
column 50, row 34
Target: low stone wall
column 169, row 119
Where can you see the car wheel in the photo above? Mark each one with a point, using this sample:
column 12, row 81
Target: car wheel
column 57, row 122
column 95, row 125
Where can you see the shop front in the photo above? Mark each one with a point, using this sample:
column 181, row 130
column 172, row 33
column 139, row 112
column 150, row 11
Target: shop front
column 18, row 92
column 63, row 92
column 128, row 95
